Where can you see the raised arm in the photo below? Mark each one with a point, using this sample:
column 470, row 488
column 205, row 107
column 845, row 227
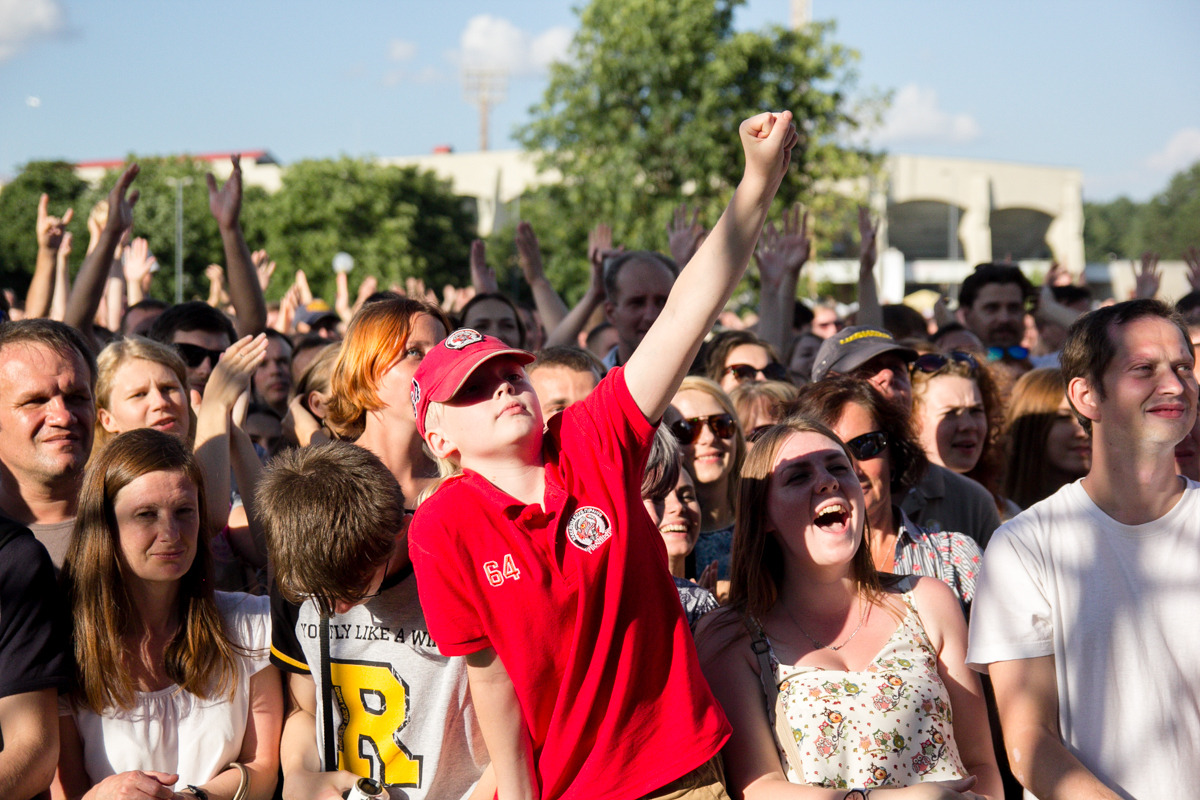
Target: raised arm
column 568, row 330
column 229, row 379
column 870, row 313
column 780, row 255
column 93, row 274
column 62, row 279
column 244, row 290
column 1027, row 699
column 704, row 286
column 50, row 234
column 550, row 306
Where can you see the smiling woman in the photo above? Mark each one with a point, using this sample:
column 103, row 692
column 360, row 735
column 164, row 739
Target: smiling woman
column 865, row 669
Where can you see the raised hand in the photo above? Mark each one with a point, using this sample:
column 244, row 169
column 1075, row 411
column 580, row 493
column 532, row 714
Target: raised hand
column 684, row 237
column 867, row 232
column 529, row 254
column 368, row 287
column 50, row 229
column 285, row 320
column 1192, row 257
column 226, row 203
column 138, row 261
column 120, row 206
column 1147, row 279
column 301, row 281
column 782, row 253
column 482, row 276
column 264, row 266
column 767, row 140
column 233, row 371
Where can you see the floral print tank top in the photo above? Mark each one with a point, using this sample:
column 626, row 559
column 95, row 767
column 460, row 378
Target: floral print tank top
column 887, row 725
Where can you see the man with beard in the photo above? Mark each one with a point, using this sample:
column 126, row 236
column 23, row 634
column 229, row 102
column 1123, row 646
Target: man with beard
column 992, row 304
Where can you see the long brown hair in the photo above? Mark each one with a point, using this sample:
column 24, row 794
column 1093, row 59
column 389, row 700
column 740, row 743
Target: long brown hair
column 200, row 658
column 756, row 566
column 1036, row 399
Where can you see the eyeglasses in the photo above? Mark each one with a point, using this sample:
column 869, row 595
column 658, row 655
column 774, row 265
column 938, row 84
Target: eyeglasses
column 387, row 566
column 745, row 372
column 1016, row 353
column 868, row 446
column 194, row 354
column 687, row 431
column 932, row 362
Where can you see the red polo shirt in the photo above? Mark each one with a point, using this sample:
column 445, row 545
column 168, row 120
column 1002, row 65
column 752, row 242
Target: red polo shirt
column 579, row 604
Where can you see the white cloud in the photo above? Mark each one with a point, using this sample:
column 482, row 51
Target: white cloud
column 494, row 43
column 22, row 21
column 1181, row 152
column 401, row 50
column 915, row 116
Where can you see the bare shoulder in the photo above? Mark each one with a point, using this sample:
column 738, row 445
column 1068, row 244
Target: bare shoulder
column 941, row 614
column 720, row 636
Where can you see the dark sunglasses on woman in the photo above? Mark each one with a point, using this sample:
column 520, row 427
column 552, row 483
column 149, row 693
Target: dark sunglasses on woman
column 687, row 431
column 868, row 446
column 745, row 372
column 932, row 362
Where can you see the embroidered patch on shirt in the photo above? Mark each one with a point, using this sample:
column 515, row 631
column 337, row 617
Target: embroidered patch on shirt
column 588, row 528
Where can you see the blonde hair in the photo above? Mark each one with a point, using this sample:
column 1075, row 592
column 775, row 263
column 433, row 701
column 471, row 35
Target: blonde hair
column 128, row 349
column 695, row 383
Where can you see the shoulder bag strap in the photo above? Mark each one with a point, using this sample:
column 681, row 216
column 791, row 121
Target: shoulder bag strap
column 330, row 751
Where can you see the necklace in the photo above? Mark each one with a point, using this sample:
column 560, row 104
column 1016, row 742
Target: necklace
column 862, row 617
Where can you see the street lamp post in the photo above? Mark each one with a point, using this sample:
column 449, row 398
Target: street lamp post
column 178, row 184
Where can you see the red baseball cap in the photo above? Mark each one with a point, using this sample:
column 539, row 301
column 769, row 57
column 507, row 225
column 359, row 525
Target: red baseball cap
column 447, row 366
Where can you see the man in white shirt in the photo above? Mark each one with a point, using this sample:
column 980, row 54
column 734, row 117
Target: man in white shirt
column 1086, row 608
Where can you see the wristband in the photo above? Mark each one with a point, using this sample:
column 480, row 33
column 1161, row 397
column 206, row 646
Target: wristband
column 195, row 790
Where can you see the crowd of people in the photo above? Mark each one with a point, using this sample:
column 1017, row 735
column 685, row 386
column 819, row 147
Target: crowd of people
column 640, row 547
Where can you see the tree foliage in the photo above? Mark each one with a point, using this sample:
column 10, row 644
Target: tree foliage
column 644, row 115
column 18, row 217
column 1167, row 224
column 397, row 222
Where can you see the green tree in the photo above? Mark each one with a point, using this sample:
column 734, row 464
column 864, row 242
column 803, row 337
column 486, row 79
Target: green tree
column 18, row 217
column 1108, row 229
column 1170, row 222
column 644, row 115
column 397, row 222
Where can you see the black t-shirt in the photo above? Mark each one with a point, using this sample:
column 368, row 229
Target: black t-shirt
column 33, row 635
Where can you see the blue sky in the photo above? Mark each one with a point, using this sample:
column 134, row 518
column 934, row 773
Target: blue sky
column 1108, row 88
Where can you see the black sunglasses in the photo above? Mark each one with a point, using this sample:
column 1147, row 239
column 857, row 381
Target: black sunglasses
column 194, row 354
column 932, row 362
column 745, row 372
column 868, row 446
column 1016, row 353
column 687, row 431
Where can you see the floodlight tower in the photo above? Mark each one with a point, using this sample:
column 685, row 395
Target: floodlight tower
column 484, row 88
column 801, row 14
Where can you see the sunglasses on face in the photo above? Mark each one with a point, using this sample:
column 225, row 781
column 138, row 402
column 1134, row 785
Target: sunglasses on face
column 745, row 372
column 687, row 431
column 1016, row 353
column 194, row 354
column 868, row 446
column 932, row 362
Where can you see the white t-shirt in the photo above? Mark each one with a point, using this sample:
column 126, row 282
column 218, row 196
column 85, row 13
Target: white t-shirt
column 174, row 731
column 1118, row 608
